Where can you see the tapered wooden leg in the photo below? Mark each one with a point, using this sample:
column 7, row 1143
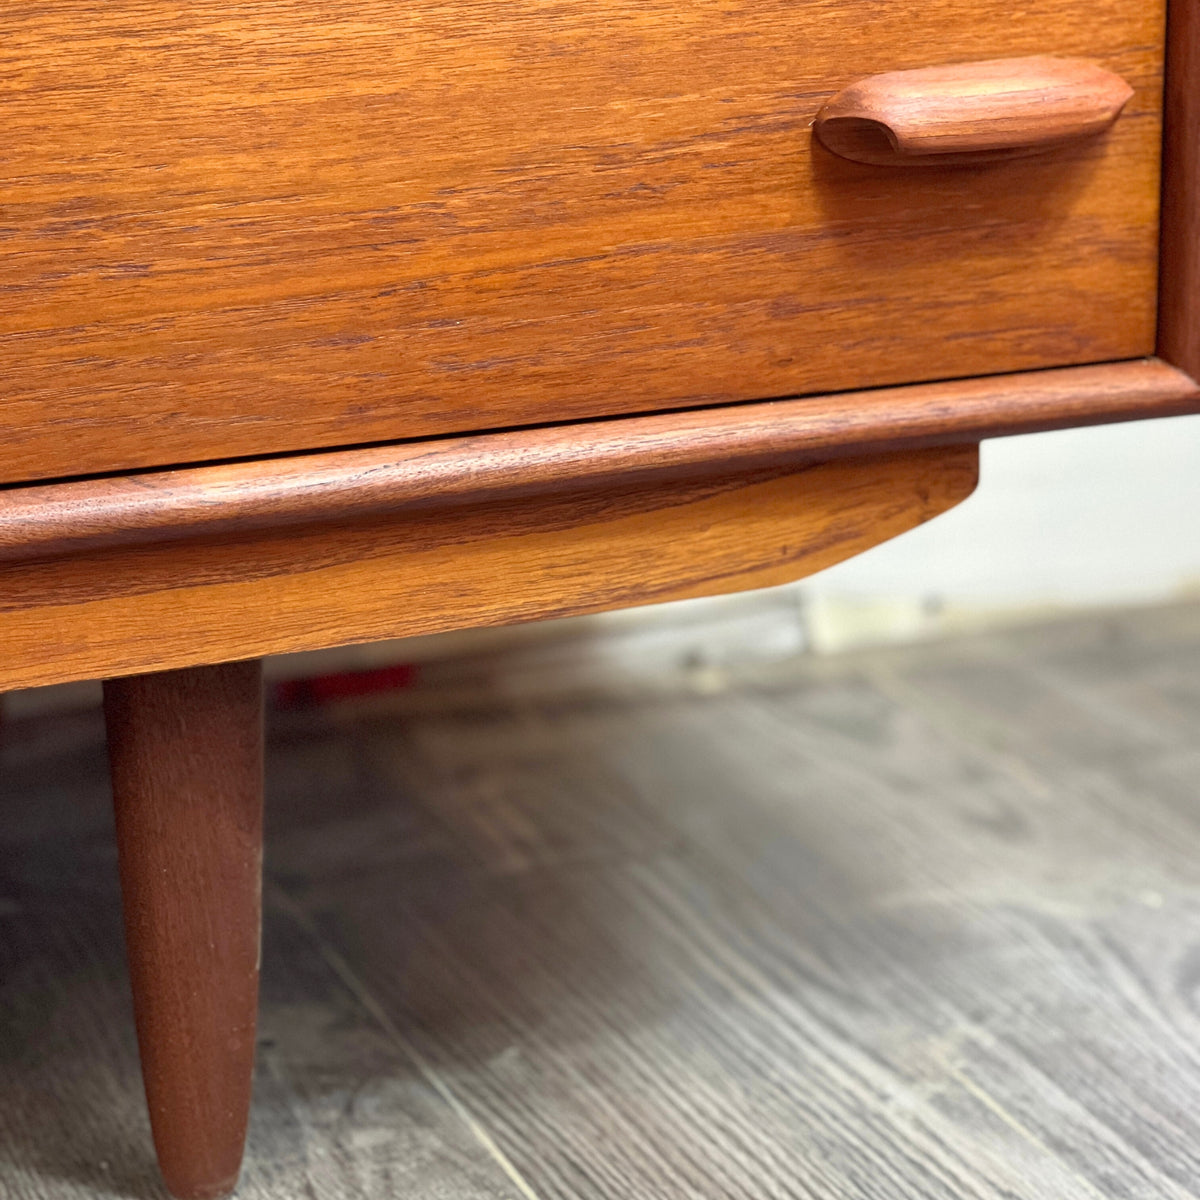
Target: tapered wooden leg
column 185, row 750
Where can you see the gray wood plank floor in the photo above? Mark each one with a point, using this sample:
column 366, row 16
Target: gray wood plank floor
column 917, row 924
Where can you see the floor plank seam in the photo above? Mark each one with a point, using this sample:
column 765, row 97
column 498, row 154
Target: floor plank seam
column 286, row 904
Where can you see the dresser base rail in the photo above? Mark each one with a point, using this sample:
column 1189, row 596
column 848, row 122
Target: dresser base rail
column 237, row 498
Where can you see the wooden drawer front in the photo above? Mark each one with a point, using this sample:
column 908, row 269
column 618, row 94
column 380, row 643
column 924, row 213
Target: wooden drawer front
column 243, row 228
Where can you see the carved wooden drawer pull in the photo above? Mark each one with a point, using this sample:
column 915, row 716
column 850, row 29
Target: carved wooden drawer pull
column 971, row 112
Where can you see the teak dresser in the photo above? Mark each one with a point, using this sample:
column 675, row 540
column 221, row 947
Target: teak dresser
column 321, row 323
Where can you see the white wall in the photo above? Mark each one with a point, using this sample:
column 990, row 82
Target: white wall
column 1082, row 517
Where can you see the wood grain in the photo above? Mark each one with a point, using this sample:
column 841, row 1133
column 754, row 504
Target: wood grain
column 912, row 925
column 186, row 749
column 90, row 515
column 971, row 112
column 149, row 608
column 1179, row 292
column 232, row 230
column 918, row 924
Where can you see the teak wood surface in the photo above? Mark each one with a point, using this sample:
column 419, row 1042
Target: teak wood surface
column 233, row 232
column 968, row 113
column 231, row 229
column 186, row 754
column 1179, row 294
column 139, row 609
column 91, row 515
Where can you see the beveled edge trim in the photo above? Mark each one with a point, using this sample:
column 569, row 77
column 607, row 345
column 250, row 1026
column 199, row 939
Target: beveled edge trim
column 51, row 520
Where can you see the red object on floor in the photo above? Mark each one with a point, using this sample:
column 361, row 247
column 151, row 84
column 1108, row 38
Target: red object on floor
column 323, row 689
